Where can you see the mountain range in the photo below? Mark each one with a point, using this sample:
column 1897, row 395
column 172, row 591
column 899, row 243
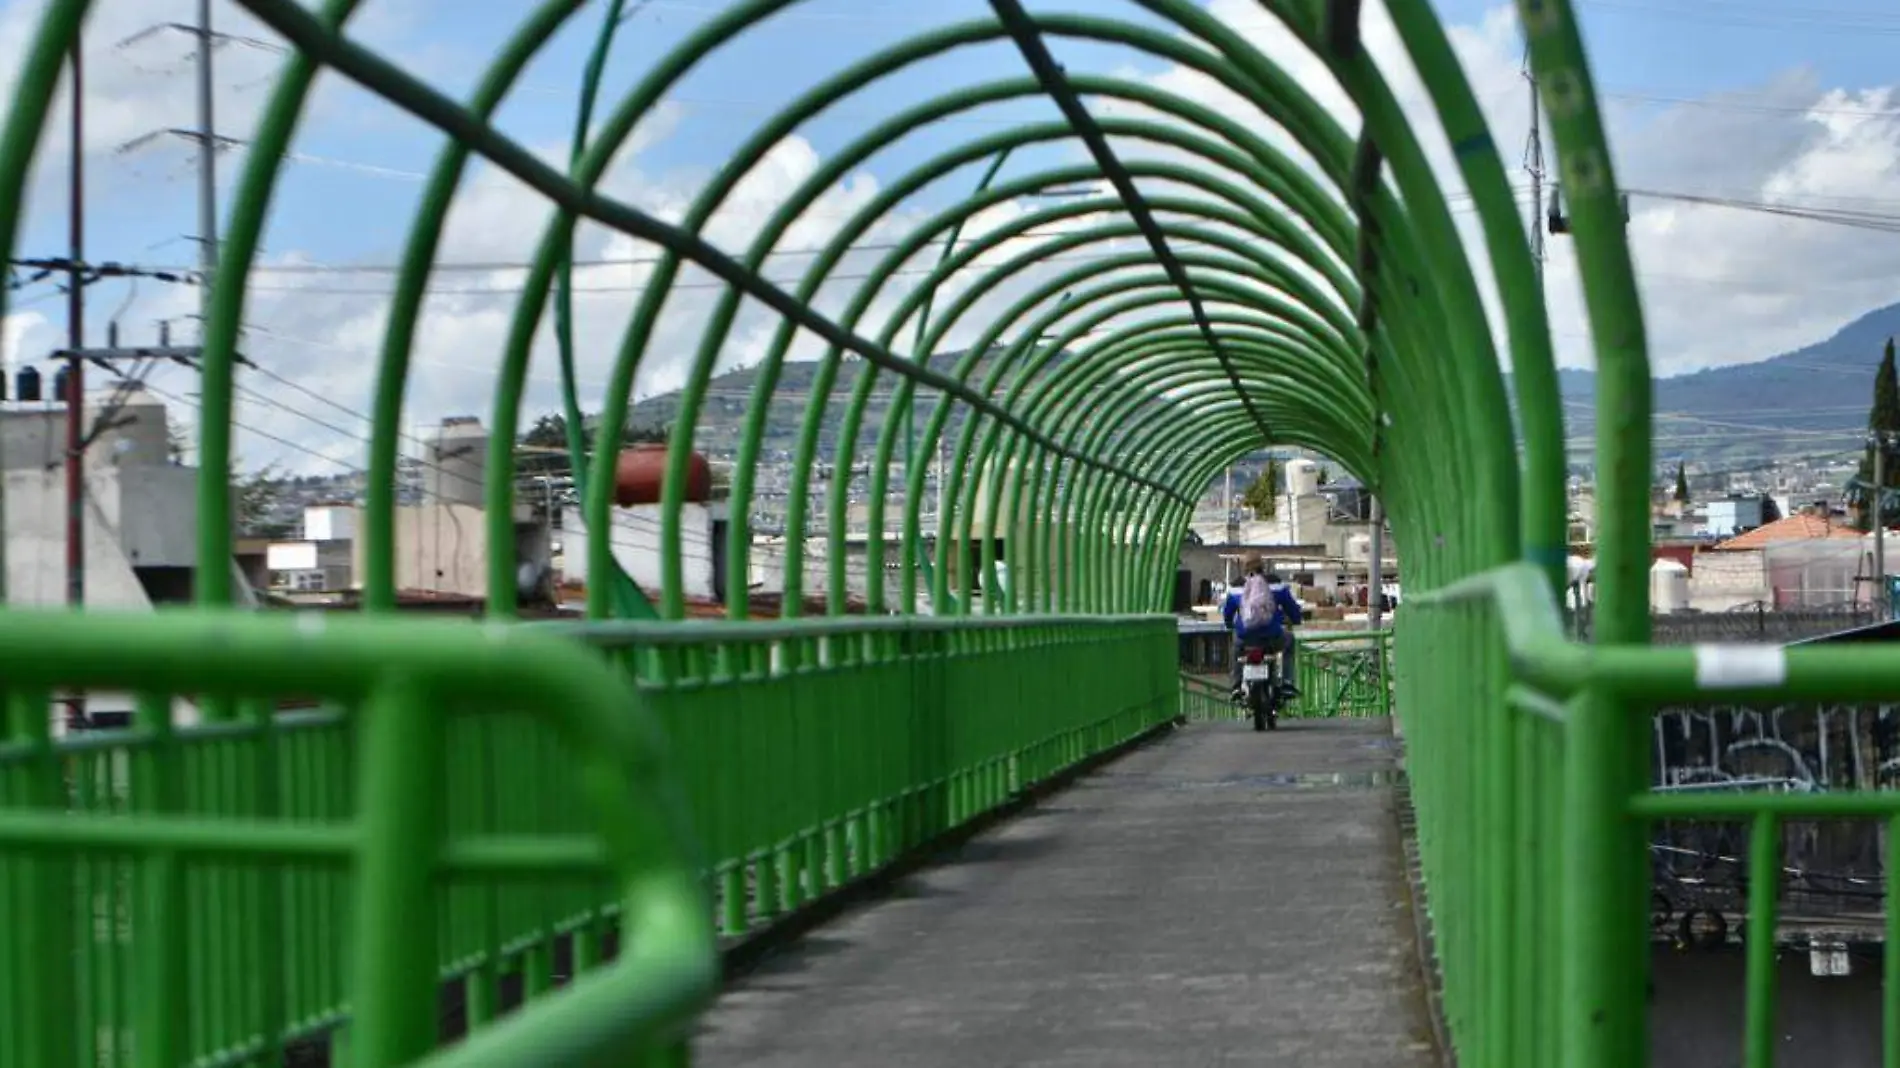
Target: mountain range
column 1805, row 404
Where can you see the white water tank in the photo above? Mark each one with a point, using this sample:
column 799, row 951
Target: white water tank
column 1302, row 478
column 458, row 460
column 1668, row 587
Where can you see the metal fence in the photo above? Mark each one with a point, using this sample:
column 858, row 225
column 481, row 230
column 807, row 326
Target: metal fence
column 1338, row 675
column 1831, row 874
column 253, row 883
column 220, row 892
column 1348, row 674
column 1751, row 623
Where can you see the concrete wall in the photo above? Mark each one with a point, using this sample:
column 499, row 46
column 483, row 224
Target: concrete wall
column 440, row 548
column 1696, row 1013
column 31, row 437
column 767, row 568
column 35, row 532
column 1730, row 516
column 141, row 510
column 636, row 546
column 1724, row 580
column 156, row 512
column 36, row 542
column 1207, row 563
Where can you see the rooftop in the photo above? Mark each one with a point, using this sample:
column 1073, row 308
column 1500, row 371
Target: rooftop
column 1799, row 527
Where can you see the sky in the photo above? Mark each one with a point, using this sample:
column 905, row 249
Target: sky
column 1749, row 100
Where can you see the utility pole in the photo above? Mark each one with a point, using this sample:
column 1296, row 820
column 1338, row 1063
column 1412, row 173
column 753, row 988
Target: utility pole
column 1879, row 524
column 207, row 166
column 75, row 366
column 1227, row 501
column 1375, row 569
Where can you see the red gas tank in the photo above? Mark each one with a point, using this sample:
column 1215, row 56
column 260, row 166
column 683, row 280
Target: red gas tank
column 641, row 471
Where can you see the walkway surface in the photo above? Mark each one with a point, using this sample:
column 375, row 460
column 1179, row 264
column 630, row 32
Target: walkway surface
column 1219, row 897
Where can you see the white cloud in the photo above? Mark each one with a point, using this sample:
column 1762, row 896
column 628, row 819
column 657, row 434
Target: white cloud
column 1720, row 285
column 20, row 331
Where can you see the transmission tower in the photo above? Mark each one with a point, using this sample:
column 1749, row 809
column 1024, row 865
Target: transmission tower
column 205, row 135
column 1534, row 166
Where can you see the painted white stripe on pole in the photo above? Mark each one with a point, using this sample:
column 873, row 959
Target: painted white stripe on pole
column 1734, row 667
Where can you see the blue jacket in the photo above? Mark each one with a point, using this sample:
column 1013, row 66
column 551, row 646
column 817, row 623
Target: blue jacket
column 1285, row 610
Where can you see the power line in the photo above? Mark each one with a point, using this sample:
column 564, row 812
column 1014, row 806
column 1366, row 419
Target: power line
column 522, row 265
column 1791, row 110
column 1766, row 17
column 1862, row 220
column 632, row 287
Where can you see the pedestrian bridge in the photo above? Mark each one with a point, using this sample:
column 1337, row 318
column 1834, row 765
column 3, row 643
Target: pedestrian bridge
column 507, row 843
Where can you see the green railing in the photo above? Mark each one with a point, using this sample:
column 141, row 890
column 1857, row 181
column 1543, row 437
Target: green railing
column 1338, row 675
column 816, row 751
column 1343, row 675
column 1558, row 876
column 209, row 874
column 1261, row 272
column 213, row 894
column 1206, row 699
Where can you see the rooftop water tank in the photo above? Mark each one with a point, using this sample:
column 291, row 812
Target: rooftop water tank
column 1302, row 478
column 1668, row 587
column 457, row 462
column 29, row 383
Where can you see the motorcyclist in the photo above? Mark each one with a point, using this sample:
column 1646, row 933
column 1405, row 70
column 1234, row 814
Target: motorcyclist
column 1273, row 634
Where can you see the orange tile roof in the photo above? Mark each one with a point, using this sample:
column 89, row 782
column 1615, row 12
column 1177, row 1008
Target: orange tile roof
column 1801, row 527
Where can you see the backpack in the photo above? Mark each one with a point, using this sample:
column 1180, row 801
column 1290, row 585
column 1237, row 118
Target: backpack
column 1256, row 603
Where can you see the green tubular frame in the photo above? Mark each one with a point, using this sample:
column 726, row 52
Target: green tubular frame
column 731, row 773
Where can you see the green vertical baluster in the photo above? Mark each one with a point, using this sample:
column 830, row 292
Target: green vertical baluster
column 1890, row 964
column 48, row 1014
column 834, row 701
column 1764, row 888
column 159, row 924
column 13, row 959
column 89, row 952
column 756, row 722
column 272, row 883
column 400, row 810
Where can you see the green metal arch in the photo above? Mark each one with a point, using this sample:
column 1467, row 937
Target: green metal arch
column 1405, row 388
column 861, row 221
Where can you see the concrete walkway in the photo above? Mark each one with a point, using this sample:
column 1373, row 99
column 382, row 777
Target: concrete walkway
column 1218, row 898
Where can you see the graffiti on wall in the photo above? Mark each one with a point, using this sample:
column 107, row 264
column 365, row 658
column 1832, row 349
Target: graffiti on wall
column 1829, row 869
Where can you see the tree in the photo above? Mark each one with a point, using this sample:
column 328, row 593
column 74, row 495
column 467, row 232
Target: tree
column 550, row 432
column 1682, row 483
column 1263, row 495
column 1883, row 425
column 260, row 499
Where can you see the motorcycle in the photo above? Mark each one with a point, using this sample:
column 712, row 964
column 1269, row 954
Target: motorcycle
column 1259, row 677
